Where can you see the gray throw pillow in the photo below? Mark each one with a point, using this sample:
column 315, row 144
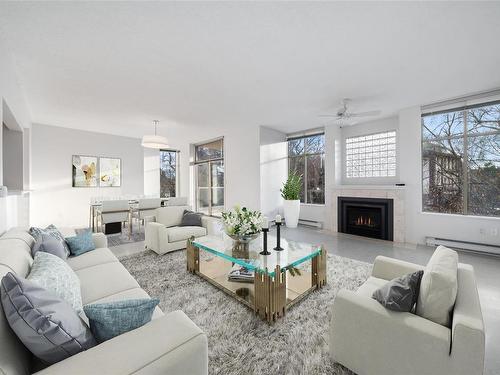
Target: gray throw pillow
column 111, row 319
column 47, row 325
column 53, row 232
column 49, row 244
column 400, row 294
column 190, row 219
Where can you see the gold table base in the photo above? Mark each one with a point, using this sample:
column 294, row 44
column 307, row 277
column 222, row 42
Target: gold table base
column 269, row 296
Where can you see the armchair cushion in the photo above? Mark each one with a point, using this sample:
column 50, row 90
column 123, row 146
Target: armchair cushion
column 183, row 233
column 170, row 216
column 438, row 289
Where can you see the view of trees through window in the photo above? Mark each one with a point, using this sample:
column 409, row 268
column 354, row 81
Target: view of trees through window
column 209, row 164
column 306, row 156
column 461, row 161
column 168, row 173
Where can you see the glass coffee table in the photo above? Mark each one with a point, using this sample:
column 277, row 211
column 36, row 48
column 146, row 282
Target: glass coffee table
column 272, row 283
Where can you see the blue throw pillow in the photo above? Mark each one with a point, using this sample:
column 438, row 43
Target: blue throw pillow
column 111, row 319
column 80, row 243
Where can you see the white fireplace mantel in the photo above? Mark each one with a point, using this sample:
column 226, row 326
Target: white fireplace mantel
column 396, row 193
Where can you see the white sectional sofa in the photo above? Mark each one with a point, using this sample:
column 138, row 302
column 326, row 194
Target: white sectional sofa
column 372, row 340
column 166, row 234
column 169, row 344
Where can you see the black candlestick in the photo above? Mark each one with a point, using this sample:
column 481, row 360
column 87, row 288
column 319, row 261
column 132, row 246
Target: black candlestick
column 278, row 238
column 265, row 252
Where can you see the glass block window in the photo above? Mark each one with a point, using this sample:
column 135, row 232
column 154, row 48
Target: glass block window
column 371, row 155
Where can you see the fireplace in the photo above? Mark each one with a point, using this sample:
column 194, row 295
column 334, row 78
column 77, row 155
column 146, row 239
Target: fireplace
column 368, row 217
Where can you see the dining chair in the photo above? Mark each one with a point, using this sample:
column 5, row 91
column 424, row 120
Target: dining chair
column 115, row 211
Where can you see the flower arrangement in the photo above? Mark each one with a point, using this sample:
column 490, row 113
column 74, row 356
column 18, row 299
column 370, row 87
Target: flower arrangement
column 242, row 222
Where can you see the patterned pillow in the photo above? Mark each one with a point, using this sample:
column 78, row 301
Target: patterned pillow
column 52, row 231
column 111, row 319
column 81, row 243
column 56, row 276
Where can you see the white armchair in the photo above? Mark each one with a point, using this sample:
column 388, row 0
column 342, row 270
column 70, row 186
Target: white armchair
column 371, row 340
column 166, row 234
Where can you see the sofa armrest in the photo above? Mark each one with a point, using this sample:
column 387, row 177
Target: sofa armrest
column 172, row 344
column 368, row 338
column 100, row 240
column 468, row 335
column 152, row 236
column 390, row 268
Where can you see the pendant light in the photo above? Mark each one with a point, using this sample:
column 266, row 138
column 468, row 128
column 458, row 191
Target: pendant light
column 154, row 141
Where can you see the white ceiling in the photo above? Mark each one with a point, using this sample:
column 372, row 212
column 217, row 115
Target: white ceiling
column 114, row 67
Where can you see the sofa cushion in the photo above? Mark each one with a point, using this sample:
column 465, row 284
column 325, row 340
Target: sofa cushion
column 439, row 285
column 111, row 319
column 400, row 294
column 183, row 233
column 104, row 280
column 56, row 276
column 47, row 325
column 170, row 216
column 48, row 244
column 92, row 258
column 81, row 243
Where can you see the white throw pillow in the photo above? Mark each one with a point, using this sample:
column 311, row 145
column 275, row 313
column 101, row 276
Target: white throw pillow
column 439, row 285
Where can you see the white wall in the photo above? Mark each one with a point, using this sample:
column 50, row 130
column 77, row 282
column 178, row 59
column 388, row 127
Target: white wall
column 53, row 199
column 418, row 223
column 241, row 158
column 12, row 151
column 273, row 170
column 12, row 97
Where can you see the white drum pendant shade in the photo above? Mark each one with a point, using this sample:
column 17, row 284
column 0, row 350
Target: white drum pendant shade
column 154, row 141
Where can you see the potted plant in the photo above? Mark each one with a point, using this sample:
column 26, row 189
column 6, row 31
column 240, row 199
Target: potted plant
column 291, row 194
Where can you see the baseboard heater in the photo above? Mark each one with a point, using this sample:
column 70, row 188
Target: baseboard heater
column 311, row 223
column 464, row 245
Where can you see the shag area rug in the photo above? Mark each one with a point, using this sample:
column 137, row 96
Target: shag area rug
column 238, row 341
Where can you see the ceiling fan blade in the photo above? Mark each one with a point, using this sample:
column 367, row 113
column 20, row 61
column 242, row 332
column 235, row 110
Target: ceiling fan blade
column 363, row 114
column 336, row 116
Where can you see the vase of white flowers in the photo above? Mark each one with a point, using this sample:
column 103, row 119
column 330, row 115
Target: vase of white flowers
column 242, row 224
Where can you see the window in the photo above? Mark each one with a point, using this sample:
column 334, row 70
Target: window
column 209, row 177
column 371, row 155
column 168, row 173
column 461, row 160
column 306, row 156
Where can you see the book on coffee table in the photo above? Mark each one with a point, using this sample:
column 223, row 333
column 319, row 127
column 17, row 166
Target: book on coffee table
column 240, row 274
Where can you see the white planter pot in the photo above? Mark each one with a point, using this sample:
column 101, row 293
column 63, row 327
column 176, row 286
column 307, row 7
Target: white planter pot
column 291, row 210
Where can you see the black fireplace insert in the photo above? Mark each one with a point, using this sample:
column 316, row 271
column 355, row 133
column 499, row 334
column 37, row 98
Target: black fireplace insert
column 368, row 217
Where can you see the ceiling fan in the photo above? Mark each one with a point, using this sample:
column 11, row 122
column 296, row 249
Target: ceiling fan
column 344, row 114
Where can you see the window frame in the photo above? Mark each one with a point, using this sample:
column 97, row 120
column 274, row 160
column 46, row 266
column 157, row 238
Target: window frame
column 305, row 156
column 465, row 157
column 209, row 163
column 373, row 179
column 177, row 164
